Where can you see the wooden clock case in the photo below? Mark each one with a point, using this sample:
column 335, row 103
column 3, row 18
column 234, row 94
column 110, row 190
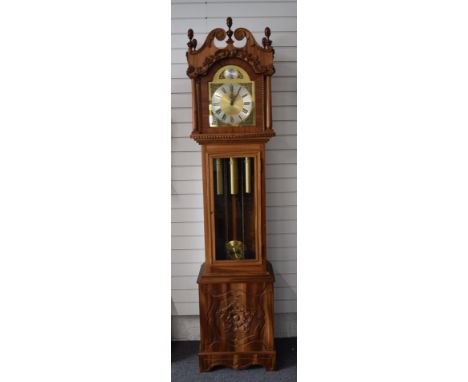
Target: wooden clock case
column 236, row 296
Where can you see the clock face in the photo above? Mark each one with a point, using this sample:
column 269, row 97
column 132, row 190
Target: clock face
column 231, row 104
column 231, row 98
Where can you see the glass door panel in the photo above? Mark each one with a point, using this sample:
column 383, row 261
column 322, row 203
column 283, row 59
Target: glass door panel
column 234, row 208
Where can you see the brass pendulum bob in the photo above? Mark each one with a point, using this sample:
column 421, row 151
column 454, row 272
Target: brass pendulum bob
column 219, row 176
column 235, row 250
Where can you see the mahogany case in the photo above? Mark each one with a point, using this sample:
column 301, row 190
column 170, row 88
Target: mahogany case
column 235, row 295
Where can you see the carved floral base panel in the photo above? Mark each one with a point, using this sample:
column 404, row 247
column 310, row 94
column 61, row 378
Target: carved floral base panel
column 236, row 321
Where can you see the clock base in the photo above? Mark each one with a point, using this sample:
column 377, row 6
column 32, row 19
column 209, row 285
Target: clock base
column 236, row 319
column 237, row 360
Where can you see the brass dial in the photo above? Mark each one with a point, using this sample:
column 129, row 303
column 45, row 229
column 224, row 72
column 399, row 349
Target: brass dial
column 231, row 104
column 232, row 98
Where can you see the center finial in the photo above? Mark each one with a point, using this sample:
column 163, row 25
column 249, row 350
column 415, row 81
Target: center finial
column 229, row 32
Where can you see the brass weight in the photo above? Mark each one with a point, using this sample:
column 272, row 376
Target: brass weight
column 234, row 176
column 248, row 170
column 219, row 176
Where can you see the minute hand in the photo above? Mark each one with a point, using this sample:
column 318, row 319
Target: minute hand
column 235, row 97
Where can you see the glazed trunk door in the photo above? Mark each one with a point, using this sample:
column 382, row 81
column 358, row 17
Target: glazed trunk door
column 234, row 197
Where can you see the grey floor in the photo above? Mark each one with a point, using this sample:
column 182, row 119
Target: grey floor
column 184, row 365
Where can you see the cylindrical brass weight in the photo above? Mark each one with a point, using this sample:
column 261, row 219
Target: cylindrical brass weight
column 247, row 171
column 234, row 177
column 219, row 176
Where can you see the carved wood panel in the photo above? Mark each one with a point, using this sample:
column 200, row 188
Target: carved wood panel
column 236, row 316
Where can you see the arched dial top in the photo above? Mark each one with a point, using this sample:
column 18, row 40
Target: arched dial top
column 231, row 98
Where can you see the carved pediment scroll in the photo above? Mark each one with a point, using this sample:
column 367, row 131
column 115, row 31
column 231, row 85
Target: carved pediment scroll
column 260, row 58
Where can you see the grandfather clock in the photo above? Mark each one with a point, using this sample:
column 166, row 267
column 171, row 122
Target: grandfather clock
column 231, row 113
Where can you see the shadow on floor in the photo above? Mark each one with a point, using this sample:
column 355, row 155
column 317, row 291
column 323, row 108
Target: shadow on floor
column 181, row 350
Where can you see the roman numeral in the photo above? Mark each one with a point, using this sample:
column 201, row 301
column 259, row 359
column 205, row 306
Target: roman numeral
column 216, row 104
column 244, row 110
column 223, row 90
column 232, row 119
column 218, row 111
column 245, row 103
column 223, row 117
column 245, row 95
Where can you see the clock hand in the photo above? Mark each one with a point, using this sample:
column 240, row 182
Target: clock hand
column 231, row 94
column 235, row 97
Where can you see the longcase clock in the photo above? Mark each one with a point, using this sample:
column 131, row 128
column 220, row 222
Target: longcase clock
column 231, row 114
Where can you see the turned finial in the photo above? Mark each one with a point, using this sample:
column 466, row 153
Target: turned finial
column 192, row 44
column 229, row 32
column 266, row 40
